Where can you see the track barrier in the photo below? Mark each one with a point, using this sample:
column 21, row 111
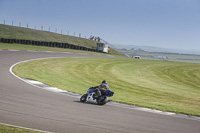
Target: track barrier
column 47, row 44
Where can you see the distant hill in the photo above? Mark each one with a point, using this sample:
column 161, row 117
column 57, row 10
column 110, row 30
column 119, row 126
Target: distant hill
column 154, row 53
column 158, row 49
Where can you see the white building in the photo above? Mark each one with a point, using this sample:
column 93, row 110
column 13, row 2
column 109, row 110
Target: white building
column 102, row 47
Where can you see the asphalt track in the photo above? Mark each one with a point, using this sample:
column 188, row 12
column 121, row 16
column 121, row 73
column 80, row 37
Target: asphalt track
column 28, row 106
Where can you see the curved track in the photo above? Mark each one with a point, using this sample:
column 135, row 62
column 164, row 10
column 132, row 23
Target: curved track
column 24, row 105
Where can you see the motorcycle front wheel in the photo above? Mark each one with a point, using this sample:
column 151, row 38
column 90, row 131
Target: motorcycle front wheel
column 83, row 98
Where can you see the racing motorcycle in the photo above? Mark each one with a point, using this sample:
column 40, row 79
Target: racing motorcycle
column 90, row 97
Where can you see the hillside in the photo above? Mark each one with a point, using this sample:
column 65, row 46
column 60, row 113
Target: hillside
column 159, row 49
column 13, row 32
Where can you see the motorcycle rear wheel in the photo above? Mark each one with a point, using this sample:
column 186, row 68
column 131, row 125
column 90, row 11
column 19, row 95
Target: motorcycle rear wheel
column 101, row 101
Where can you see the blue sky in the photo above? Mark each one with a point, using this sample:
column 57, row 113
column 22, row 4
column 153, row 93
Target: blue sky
column 160, row 23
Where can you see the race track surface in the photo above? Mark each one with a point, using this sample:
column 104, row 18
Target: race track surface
column 24, row 105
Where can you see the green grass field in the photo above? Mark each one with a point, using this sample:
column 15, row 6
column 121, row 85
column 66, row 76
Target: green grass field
column 162, row 85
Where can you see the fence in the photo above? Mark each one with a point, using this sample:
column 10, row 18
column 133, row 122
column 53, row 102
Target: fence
column 45, row 28
column 48, row 44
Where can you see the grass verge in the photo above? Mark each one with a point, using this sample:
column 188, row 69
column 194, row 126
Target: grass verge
column 12, row 129
column 162, row 85
column 7, row 46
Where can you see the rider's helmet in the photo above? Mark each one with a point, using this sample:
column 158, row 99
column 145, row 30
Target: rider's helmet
column 104, row 82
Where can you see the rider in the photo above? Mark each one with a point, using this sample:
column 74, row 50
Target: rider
column 98, row 89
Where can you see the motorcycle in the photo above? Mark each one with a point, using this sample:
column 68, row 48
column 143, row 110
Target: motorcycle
column 91, row 97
